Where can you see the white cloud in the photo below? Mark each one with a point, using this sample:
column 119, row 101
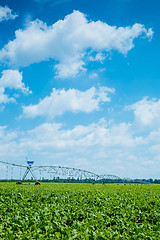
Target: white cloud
column 4, row 98
column 67, row 41
column 73, row 100
column 98, row 57
column 93, row 75
column 97, row 144
column 9, row 147
column 11, row 79
column 98, row 147
column 83, row 137
column 7, row 135
column 146, row 111
column 6, row 14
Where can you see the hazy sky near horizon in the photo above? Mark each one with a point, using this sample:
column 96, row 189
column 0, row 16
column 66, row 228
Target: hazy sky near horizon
column 79, row 84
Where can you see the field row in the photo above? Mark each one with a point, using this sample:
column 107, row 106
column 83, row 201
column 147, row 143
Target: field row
column 79, row 211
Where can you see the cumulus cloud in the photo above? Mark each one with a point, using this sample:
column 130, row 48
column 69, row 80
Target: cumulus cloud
column 4, row 98
column 100, row 147
column 73, row 100
column 99, row 57
column 6, row 14
column 106, row 148
column 53, row 137
column 67, row 42
column 146, row 111
column 8, row 143
column 11, row 79
column 93, row 75
column 83, row 137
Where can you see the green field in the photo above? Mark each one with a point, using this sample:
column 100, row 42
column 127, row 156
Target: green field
column 79, row 211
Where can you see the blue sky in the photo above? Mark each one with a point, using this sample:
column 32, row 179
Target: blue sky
column 79, row 84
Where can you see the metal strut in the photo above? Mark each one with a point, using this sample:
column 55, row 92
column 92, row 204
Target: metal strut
column 28, row 169
column 58, row 170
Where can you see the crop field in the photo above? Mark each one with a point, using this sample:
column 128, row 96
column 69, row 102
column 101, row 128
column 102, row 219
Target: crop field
column 79, row 211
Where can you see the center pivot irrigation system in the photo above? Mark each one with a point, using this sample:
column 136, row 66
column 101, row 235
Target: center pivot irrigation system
column 49, row 172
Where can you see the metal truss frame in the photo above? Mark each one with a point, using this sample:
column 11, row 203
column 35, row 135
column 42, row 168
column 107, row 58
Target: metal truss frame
column 60, row 171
